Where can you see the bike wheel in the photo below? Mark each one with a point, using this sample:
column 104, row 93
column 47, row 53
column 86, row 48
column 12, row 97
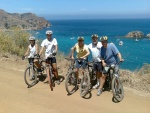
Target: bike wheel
column 117, row 89
column 30, row 76
column 71, row 83
column 51, row 81
column 85, row 84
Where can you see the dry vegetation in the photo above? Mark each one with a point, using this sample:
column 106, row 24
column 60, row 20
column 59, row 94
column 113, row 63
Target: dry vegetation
column 14, row 42
column 139, row 79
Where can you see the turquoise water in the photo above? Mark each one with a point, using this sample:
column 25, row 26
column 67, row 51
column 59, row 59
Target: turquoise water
column 134, row 53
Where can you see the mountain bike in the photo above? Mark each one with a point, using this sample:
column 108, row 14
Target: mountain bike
column 114, row 83
column 51, row 80
column 71, row 83
column 31, row 72
column 92, row 74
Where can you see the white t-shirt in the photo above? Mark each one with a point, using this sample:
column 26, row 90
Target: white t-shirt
column 95, row 49
column 49, row 46
column 32, row 51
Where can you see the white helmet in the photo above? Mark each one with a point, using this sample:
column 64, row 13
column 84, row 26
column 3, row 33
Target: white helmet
column 49, row 32
column 32, row 38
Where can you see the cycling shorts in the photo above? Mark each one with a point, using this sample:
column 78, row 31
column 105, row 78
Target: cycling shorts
column 51, row 60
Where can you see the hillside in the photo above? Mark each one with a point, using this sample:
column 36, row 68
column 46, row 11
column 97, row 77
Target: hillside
column 23, row 21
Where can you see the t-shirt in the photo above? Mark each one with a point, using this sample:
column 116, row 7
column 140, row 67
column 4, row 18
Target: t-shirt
column 95, row 50
column 32, row 51
column 49, row 46
column 80, row 51
column 109, row 54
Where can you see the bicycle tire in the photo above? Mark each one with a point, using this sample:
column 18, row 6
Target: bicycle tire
column 71, row 81
column 85, row 84
column 51, row 81
column 27, row 77
column 117, row 93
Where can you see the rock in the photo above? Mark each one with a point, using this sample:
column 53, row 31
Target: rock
column 135, row 34
column 23, row 21
column 148, row 35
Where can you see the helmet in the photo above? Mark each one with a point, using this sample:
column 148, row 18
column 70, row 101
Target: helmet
column 49, row 32
column 94, row 36
column 103, row 38
column 80, row 38
column 32, row 38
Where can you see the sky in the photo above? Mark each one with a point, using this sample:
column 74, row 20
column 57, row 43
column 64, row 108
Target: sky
column 80, row 9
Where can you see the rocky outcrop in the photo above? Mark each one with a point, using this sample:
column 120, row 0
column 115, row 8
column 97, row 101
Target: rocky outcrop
column 148, row 35
column 23, row 21
column 135, row 34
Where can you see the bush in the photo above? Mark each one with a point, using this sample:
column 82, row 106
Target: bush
column 14, row 41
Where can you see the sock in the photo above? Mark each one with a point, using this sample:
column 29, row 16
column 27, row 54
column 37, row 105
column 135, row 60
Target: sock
column 98, row 81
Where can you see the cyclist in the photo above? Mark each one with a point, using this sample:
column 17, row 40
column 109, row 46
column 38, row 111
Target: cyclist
column 82, row 54
column 95, row 47
column 109, row 55
column 32, row 50
column 51, row 46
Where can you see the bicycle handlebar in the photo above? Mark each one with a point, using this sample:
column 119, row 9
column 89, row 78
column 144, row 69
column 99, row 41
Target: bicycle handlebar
column 75, row 59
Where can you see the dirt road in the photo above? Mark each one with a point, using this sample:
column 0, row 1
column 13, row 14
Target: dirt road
column 15, row 97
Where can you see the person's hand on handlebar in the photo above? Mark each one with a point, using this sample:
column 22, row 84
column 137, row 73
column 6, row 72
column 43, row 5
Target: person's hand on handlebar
column 121, row 60
column 37, row 55
column 23, row 57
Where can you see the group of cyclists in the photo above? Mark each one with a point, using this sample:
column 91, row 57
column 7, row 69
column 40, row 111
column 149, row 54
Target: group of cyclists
column 103, row 54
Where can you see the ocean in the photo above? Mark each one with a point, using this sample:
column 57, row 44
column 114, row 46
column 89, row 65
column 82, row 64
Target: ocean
column 135, row 53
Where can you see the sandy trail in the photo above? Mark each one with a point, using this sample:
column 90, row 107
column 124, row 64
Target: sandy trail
column 15, row 97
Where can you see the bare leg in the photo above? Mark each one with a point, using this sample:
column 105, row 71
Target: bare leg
column 55, row 71
column 102, row 81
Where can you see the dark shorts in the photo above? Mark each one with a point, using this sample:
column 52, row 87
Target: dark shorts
column 97, row 66
column 81, row 64
column 51, row 60
column 31, row 60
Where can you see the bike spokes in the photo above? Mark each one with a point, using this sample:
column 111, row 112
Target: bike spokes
column 71, row 83
column 85, row 85
column 30, row 76
column 117, row 89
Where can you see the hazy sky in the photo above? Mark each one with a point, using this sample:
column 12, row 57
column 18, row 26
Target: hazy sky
column 79, row 9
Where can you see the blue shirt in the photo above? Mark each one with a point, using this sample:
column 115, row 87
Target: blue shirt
column 109, row 54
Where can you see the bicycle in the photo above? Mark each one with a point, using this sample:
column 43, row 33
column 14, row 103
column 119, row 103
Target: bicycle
column 71, row 84
column 31, row 72
column 92, row 73
column 114, row 83
column 51, row 80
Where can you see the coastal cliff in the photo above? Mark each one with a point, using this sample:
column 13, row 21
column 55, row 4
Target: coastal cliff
column 23, row 21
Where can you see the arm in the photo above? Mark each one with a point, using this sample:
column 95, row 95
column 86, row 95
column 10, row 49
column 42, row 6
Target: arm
column 26, row 53
column 56, row 48
column 37, row 49
column 120, row 57
column 103, row 63
column 88, row 53
column 41, row 51
column 72, row 52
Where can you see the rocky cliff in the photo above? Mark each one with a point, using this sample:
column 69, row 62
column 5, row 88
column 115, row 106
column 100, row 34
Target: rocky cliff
column 23, row 21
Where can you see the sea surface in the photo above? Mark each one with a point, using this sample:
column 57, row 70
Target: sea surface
column 135, row 53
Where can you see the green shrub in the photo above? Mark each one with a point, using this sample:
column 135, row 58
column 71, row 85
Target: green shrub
column 14, row 41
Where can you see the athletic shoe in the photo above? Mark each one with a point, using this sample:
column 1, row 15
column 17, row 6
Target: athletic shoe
column 99, row 92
